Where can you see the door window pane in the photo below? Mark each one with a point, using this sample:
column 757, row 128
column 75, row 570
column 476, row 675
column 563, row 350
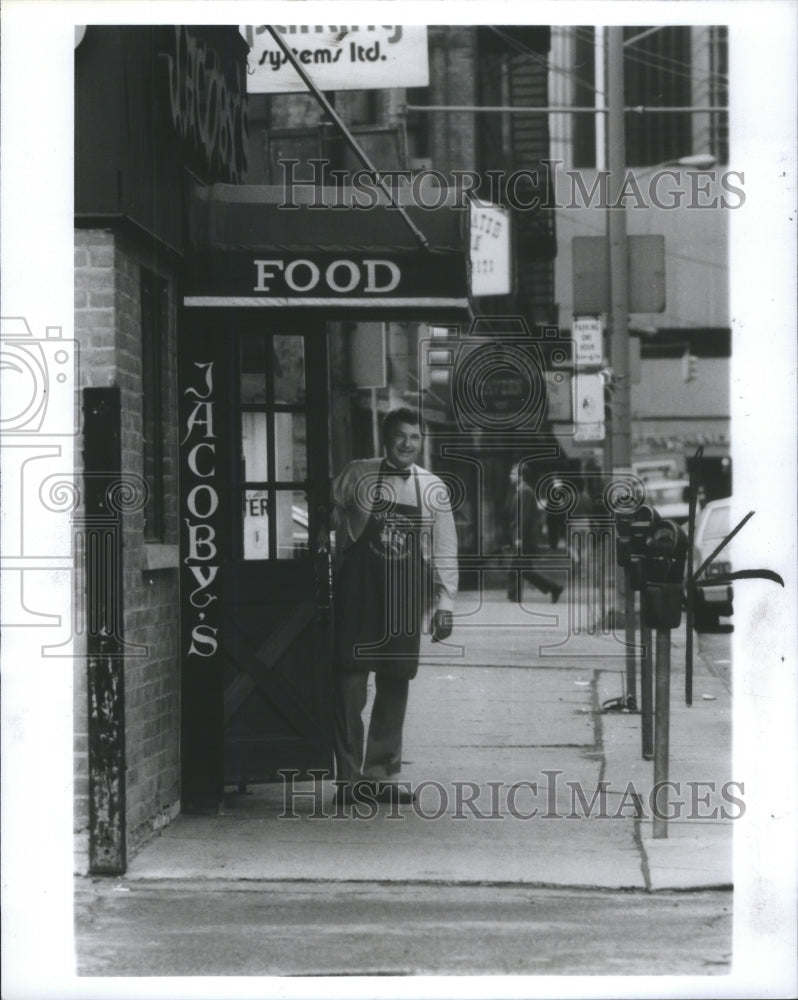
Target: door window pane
column 292, row 524
column 256, row 524
column 291, row 462
column 253, row 369
column 255, row 446
column 289, row 369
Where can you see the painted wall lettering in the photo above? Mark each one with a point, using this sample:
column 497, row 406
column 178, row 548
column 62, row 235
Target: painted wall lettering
column 209, row 111
column 201, row 504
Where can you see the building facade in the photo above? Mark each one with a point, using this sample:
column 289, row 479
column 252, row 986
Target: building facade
column 681, row 186
column 235, row 353
column 145, row 133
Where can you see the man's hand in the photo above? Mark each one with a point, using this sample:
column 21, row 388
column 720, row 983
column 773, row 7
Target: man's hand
column 441, row 625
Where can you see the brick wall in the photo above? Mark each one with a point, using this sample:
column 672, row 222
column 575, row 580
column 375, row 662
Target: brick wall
column 108, row 329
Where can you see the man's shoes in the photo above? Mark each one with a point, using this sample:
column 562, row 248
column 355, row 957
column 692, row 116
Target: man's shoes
column 392, row 793
column 363, row 792
column 555, row 594
column 348, row 793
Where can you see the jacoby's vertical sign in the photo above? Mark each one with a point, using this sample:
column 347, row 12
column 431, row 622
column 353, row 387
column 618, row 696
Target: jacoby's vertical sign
column 337, row 57
column 201, row 503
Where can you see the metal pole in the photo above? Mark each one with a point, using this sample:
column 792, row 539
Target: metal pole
column 688, row 653
column 646, row 693
column 662, row 718
column 550, row 109
column 601, row 106
column 629, row 630
column 618, row 256
column 620, row 427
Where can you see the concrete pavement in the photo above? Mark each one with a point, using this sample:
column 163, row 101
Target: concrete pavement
column 521, row 776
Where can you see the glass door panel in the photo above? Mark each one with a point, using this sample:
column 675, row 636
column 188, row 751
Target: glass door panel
column 274, row 447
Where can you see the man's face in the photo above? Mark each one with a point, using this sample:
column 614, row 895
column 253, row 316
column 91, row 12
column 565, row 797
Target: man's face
column 403, row 445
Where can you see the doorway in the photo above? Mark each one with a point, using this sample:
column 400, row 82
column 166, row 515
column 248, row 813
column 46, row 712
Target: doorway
column 256, row 596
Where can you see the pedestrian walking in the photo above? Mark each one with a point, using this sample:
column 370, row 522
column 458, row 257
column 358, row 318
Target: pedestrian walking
column 555, row 520
column 396, row 561
column 525, row 526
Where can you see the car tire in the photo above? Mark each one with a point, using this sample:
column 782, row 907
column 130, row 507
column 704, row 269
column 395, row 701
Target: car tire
column 705, row 621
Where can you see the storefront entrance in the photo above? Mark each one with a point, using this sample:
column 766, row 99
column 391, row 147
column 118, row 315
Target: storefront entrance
column 255, row 555
column 269, row 275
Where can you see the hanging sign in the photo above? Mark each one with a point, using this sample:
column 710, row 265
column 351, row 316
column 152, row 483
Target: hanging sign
column 490, row 249
column 337, row 57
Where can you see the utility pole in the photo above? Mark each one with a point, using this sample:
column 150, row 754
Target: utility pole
column 620, row 445
column 619, row 257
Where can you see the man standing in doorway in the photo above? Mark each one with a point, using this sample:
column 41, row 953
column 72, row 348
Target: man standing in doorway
column 396, row 559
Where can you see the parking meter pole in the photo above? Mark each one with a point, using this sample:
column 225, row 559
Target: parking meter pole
column 629, row 630
column 690, row 588
column 662, row 732
column 646, row 693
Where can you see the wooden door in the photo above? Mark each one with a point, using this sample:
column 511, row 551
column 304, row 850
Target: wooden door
column 276, row 594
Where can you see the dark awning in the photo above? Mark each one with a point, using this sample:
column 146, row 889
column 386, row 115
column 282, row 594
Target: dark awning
column 265, row 246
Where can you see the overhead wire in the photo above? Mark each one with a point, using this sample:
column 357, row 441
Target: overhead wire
column 687, row 70
column 716, row 79
column 543, row 61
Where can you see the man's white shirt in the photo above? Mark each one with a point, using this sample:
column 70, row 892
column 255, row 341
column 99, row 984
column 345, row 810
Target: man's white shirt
column 352, row 490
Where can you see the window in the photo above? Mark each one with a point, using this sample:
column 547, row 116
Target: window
column 154, row 297
column 274, row 450
column 674, row 66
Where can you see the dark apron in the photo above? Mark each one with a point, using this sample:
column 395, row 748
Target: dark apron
column 382, row 590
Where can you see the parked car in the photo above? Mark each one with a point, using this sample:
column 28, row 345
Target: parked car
column 669, row 498
column 712, row 600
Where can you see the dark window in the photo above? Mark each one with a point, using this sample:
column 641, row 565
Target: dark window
column 154, row 341
column 584, row 96
column 658, row 72
column 719, row 70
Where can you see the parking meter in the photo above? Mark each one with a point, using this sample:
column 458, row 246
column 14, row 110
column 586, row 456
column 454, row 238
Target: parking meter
column 623, row 539
column 644, row 520
column 665, row 556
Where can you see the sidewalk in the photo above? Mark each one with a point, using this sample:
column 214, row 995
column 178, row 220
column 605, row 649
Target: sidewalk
column 506, row 721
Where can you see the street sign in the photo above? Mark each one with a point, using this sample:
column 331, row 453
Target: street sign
column 590, row 261
column 337, row 57
column 589, row 399
column 490, row 249
column 590, row 432
column 586, row 333
column 588, row 407
column 559, row 396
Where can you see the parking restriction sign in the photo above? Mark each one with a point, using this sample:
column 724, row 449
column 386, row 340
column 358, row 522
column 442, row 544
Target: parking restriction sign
column 586, row 333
